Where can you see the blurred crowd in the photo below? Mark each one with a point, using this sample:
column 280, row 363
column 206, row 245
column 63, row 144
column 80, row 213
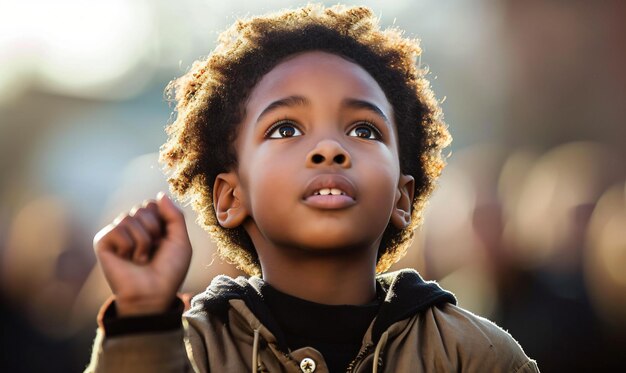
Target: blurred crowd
column 527, row 226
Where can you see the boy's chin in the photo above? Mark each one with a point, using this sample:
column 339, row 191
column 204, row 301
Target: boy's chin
column 329, row 245
column 322, row 239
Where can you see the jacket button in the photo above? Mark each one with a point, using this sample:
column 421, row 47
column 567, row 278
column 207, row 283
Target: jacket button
column 307, row 365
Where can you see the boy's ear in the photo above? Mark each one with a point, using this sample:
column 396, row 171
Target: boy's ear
column 229, row 209
column 401, row 215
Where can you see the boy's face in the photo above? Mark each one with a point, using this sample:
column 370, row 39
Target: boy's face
column 318, row 164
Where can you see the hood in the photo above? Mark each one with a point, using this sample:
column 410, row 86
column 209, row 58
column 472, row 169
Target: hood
column 405, row 294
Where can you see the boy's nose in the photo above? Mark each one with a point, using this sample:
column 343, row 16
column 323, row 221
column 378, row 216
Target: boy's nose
column 328, row 153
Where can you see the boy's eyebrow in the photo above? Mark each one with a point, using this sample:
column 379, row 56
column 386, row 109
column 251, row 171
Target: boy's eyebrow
column 284, row 102
column 361, row 104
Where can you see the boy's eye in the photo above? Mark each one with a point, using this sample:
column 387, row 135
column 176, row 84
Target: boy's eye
column 283, row 129
column 365, row 131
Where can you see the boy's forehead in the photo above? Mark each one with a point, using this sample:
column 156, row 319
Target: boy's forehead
column 306, row 71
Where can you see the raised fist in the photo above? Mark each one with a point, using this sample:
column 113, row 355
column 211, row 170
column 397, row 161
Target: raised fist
column 145, row 255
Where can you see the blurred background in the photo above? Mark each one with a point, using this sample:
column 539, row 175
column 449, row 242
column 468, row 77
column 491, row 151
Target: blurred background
column 527, row 227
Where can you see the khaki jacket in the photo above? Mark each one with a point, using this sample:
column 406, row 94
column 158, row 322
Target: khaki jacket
column 222, row 334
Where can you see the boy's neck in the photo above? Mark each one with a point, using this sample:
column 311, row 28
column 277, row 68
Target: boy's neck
column 348, row 279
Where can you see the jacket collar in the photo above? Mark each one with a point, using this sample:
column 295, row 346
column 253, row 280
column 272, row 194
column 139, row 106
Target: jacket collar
column 406, row 294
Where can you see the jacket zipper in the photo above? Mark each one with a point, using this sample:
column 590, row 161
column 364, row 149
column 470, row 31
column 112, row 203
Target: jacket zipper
column 359, row 357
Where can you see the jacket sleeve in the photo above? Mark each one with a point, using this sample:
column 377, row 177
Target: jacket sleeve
column 145, row 352
column 145, row 344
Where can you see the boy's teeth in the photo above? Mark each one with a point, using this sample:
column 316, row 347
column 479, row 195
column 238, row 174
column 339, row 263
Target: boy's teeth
column 336, row 192
column 328, row 191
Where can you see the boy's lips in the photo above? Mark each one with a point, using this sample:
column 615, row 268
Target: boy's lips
column 330, row 191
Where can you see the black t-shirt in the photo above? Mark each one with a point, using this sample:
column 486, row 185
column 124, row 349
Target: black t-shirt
column 335, row 331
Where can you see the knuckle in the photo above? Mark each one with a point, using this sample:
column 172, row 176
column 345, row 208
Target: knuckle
column 122, row 219
column 127, row 219
column 150, row 204
column 138, row 212
column 134, row 210
column 102, row 235
column 120, row 216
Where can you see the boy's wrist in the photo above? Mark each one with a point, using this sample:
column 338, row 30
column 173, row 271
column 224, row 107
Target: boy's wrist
column 115, row 325
column 142, row 306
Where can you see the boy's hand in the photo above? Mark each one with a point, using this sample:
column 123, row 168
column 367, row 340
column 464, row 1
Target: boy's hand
column 145, row 255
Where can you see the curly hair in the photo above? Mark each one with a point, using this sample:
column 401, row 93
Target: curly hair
column 211, row 96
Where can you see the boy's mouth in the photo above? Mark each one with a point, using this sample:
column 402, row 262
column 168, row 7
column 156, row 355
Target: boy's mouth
column 330, row 191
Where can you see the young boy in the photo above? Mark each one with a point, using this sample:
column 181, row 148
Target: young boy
column 308, row 143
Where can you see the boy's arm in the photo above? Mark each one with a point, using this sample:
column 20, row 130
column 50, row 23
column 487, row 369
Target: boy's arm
column 144, row 255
